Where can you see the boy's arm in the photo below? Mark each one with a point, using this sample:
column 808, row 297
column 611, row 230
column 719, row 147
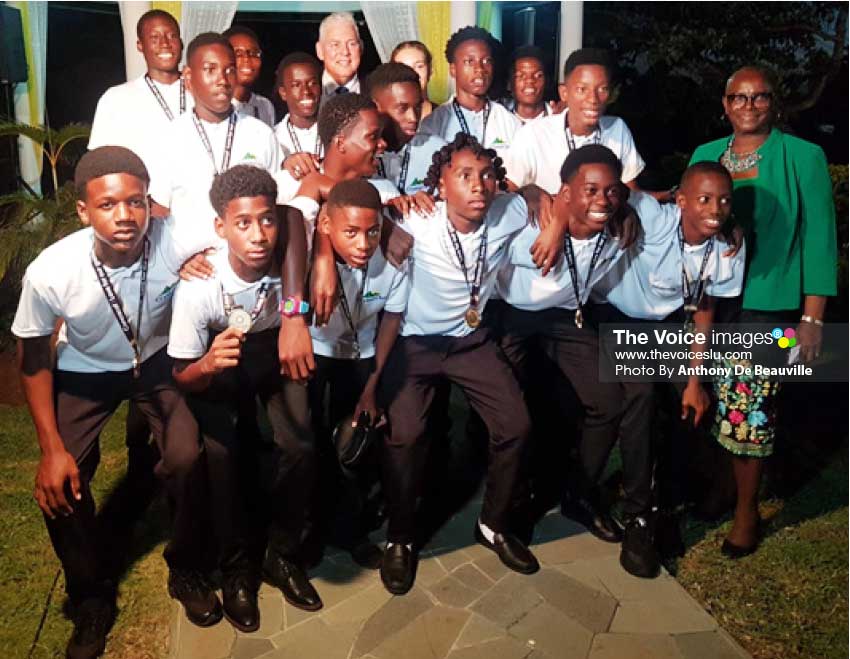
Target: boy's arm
column 387, row 334
column 56, row 465
column 694, row 396
column 195, row 376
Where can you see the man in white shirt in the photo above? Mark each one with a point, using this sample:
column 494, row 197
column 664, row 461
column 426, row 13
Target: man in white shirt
column 527, row 84
column 340, row 49
column 249, row 61
column 135, row 114
column 298, row 85
column 207, row 141
column 456, row 255
column 111, row 283
column 397, row 94
column 469, row 52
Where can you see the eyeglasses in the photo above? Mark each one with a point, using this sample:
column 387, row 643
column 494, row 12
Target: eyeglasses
column 242, row 52
column 759, row 100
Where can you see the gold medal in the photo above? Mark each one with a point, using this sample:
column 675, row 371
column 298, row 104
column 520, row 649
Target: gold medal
column 472, row 317
column 579, row 318
column 240, row 319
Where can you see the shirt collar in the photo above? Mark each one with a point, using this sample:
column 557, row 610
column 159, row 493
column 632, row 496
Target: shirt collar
column 329, row 85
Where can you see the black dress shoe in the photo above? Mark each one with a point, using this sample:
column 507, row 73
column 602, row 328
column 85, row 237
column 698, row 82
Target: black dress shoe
column 367, row 555
column 292, row 581
column 239, row 597
column 199, row 600
column 599, row 522
column 735, row 552
column 92, row 621
column 398, row 569
column 510, row 550
column 637, row 555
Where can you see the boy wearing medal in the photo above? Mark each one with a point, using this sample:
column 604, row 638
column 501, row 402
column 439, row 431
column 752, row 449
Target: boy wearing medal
column 681, row 265
column 299, row 85
column 470, row 54
column 113, row 292
column 249, row 61
column 224, row 330
column 352, row 348
column 455, row 257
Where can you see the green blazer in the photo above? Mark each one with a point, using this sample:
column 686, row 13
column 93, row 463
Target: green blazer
column 788, row 214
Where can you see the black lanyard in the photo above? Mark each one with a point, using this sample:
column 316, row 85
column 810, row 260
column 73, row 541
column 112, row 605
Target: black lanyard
column 317, row 149
column 693, row 297
column 346, row 309
column 228, row 143
column 161, row 100
column 595, row 136
column 118, row 310
column 571, row 263
column 462, row 120
column 472, row 316
column 402, row 173
column 262, row 294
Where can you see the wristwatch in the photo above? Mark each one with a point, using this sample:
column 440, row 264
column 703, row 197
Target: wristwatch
column 293, row 306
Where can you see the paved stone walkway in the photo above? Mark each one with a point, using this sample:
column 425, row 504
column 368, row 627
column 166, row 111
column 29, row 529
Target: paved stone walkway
column 466, row 605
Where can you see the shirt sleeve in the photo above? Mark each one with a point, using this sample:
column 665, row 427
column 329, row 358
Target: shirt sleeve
column 728, row 280
column 161, row 173
column 656, row 219
column 431, row 124
column 273, row 157
column 817, row 224
column 287, row 187
column 633, row 164
column 37, row 314
column 520, row 254
column 399, row 291
column 190, row 317
column 101, row 126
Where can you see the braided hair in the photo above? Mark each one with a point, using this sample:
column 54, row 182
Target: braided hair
column 462, row 141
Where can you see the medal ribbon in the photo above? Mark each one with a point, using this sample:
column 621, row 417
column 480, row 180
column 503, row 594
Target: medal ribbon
column 159, row 98
column 228, row 142
column 262, row 295
column 118, row 310
column 571, row 263
column 346, row 309
column 402, row 174
column 462, row 120
column 474, row 286
column 317, row 149
column 693, row 297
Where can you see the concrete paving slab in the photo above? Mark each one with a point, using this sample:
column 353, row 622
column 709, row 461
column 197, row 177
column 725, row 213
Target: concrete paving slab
column 634, row 646
column 591, row 608
column 625, row 586
column 472, row 577
column 205, row 643
column 508, row 601
column 547, row 629
column 391, row 618
column 492, row 566
column 579, row 571
column 314, row 639
column 709, row 645
column 477, row 631
column 430, row 636
column 661, row 617
column 271, row 614
column 359, row 607
column 502, row 648
column 250, row 648
column 452, row 592
column 574, row 548
column 554, row 526
column 429, row 571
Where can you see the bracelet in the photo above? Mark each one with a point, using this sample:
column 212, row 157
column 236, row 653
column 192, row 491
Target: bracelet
column 293, row 306
column 812, row 319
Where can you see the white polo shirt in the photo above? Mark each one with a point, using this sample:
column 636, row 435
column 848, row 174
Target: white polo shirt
column 647, row 283
column 129, row 115
column 329, row 86
column 385, row 289
column 258, row 107
column 510, row 104
column 439, row 295
column 306, row 139
column 421, row 147
column 540, row 147
column 502, row 124
column 199, row 307
column 184, row 171
column 522, row 285
column 61, row 283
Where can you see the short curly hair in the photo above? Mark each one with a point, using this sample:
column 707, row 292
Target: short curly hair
column 298, row 57
column 338, row 113
column 357, row 192
column 470, row 33
column 241, row 181
column 390, row 74
column 461, row 142
column 591, row 57
column 107, row 160
column 207, row 39
column 152, row 14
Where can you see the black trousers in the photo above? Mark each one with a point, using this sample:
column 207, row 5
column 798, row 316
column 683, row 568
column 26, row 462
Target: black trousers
column 290, row 467
column 84, row 403
column 415, row 368
column 334, row 390
column 576, row 353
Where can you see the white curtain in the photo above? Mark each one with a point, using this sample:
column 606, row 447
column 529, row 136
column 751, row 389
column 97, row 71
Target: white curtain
column 131, row 12
column 29, row 96
column 198, row 17
column 390, row 23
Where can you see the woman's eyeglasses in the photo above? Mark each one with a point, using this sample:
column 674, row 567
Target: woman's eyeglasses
column 759, row 100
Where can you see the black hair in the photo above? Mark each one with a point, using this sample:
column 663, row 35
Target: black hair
column 389, row 74
column 462, row 141
column 338, row 113
column 207, row 39
column 418, row 45
column 150, row 15
column 470, row 33
column 357, row 192
column 107, row 160
column 591, row 57
column 241, row 29
column 241, row 181
column 705, row 167
column 297, row 57
column 589, row 154
column 524, row 52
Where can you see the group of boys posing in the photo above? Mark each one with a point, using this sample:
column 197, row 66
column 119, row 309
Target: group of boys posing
column 424, row 271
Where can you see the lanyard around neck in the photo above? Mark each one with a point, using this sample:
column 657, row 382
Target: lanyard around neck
column 462, row 120
column 161, row 99
column 228, row 142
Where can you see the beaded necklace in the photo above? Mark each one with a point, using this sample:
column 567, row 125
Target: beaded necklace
column 735, row 163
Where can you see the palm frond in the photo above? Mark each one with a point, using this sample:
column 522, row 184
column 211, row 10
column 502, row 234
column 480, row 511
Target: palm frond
column 38, row 134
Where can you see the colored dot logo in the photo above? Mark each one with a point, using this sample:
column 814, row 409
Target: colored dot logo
column 784, row 338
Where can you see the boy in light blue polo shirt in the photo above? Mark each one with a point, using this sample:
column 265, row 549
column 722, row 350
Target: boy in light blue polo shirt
column 352, row 348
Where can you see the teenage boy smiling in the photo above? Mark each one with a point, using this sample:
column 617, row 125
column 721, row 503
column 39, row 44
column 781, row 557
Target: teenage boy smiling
column 249, row 61
column 299, row 86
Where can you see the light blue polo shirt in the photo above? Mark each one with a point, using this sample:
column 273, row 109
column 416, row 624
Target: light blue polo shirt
column 647, row 282
column 422, row 147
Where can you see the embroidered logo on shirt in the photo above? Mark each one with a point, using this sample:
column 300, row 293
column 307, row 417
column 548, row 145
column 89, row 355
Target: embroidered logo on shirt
column 167, row 292
column 499, row 142
column 370, row 296
column 417, row 181
column 249, row 156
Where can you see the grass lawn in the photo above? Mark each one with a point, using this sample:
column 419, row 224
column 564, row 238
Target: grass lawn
column 29, row 568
